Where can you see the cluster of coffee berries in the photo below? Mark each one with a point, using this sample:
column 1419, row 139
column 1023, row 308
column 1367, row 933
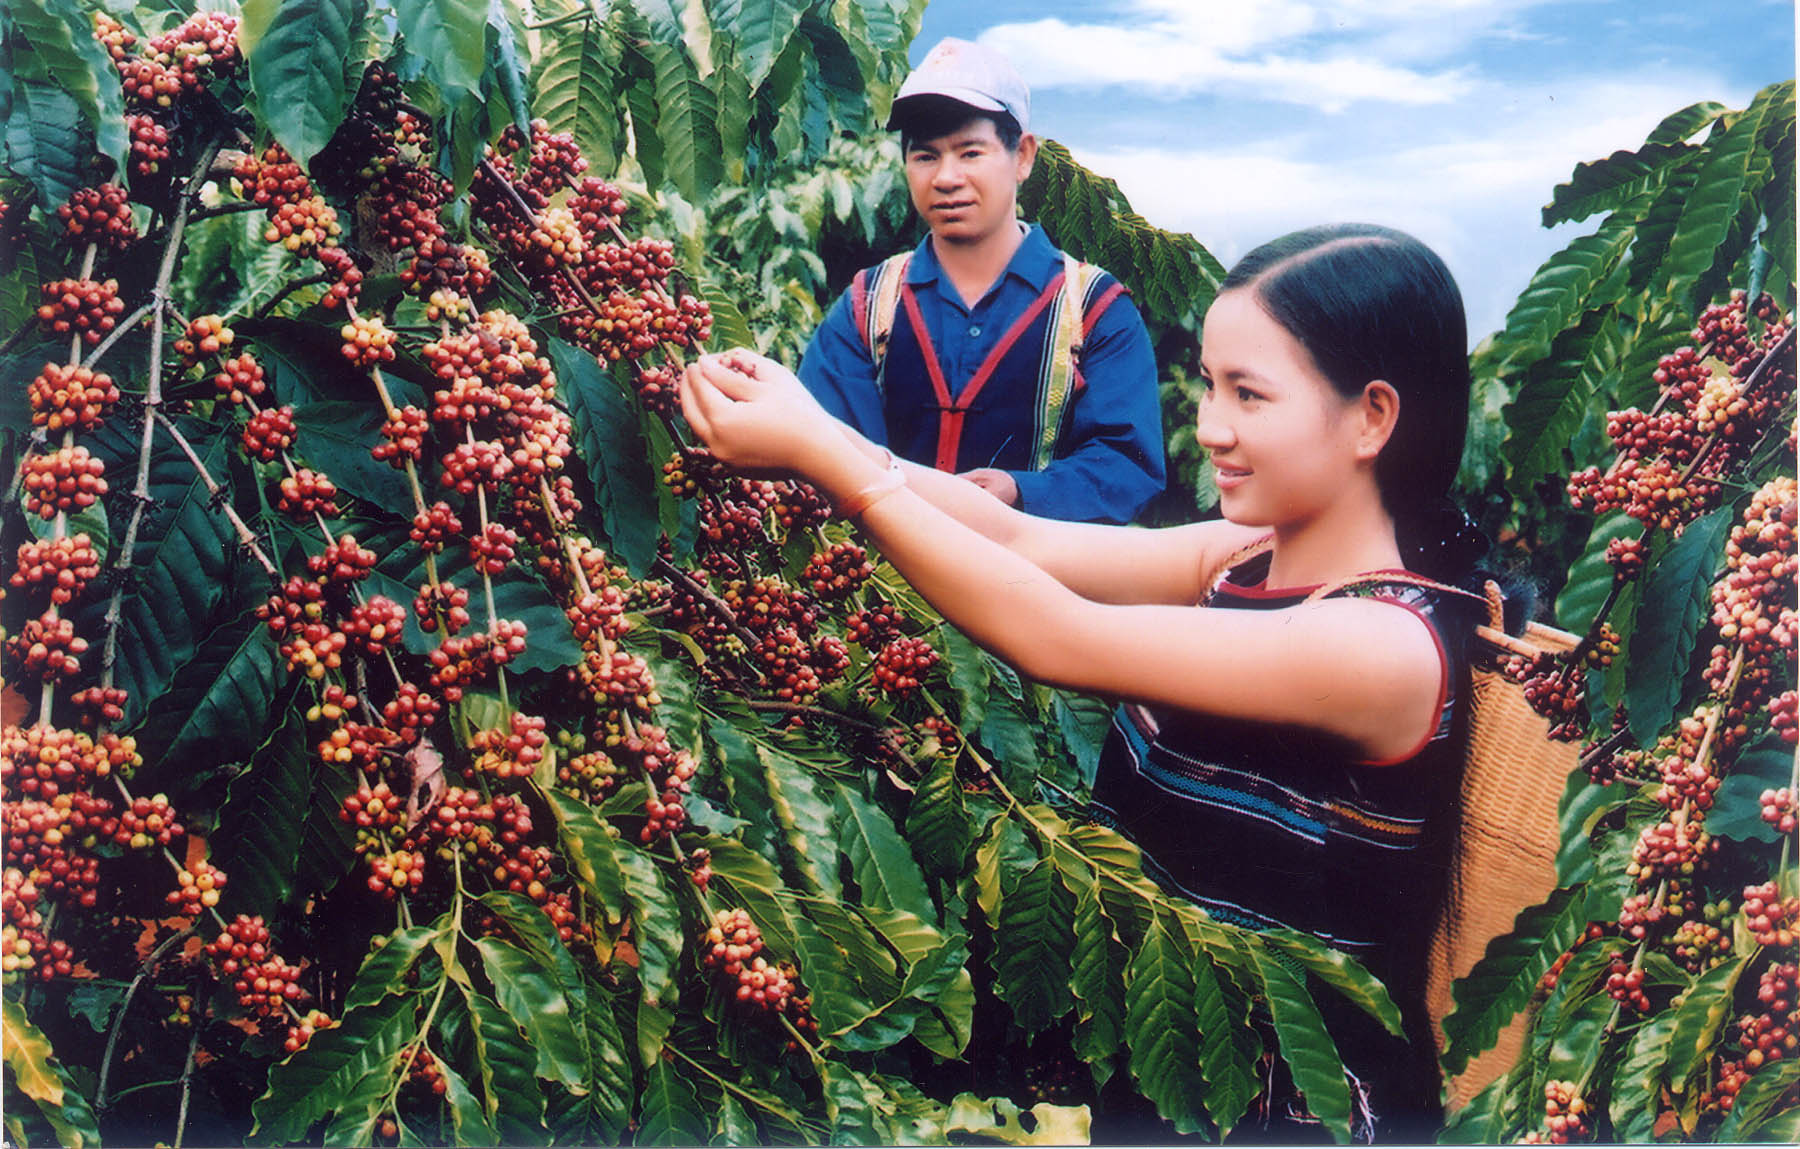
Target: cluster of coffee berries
column 1554, row 689
column 98, row 215
column 902, row 664
column 70, row 398
column 82, row 307
column 197, row 887
column 1770, row 917
column 1671, row 849
column 55, row 570
column 244, row 958
column 64, row 481
column 1565, row 1116
column 837, row 572
column 732, row 947
column 1753, row 604
column 1772, row 1032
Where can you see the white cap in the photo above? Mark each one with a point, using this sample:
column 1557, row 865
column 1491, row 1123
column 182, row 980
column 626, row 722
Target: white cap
column 969, row 73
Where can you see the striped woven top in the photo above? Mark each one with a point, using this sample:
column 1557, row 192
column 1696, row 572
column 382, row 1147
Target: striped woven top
column 1269, row 826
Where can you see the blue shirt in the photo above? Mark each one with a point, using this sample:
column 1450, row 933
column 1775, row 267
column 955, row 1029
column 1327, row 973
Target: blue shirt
column 1109, row 458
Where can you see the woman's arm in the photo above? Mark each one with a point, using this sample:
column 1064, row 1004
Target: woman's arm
column 1104, row 563
column 1349, row 667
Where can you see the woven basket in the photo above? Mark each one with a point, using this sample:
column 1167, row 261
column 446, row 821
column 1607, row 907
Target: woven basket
column 1504, row 857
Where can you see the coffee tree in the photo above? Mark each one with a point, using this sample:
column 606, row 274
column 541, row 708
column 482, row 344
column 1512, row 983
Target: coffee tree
column 1651, row 368
column 411, row 737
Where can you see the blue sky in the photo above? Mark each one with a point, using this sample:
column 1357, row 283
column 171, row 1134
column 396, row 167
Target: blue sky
column 1238, row 120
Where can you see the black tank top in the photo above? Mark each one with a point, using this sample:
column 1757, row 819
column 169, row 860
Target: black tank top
column 1267, row 825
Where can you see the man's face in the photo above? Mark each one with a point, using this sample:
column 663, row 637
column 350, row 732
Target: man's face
column 965, row 183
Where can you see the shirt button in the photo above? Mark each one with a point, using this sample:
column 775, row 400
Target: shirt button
column 974, row 330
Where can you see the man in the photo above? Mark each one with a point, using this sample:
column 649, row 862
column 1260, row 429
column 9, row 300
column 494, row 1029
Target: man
column 986, row 351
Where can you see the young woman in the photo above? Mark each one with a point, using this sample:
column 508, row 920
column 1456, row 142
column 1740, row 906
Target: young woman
column 1282, row 755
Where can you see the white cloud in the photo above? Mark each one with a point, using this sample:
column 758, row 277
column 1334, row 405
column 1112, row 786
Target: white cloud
column 1458, row 180
column 1323, row 56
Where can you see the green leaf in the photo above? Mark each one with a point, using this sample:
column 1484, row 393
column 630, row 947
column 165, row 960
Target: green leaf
column 504, row 68
column 760, row 30
column 968, row 673
column 1685, row 124
column 591, row 854
column 1591, row 578
column 1737, row 805
column 1561, row 291
column 38, row 1075
column 356, row 1112
column 1711, row 207
column 257, row 841
column 617, row 457
column 535, row 999
column 62, row 41
column 1341, row 972
column 1554, row 399
column 312, row 1083
column 655, row 921
column 1637, row 1082
column 1012, row 737
column 1699, row 1015
column 1582, row 806
column 1097, row 979
column 384, row 971
column 1036, row 933
column 1612, row 183
column 183, row 561
column 1084, row 722
column 1230, row 1076
column 1162, row 1028
column 803, row 808
column 755, row 886
column 1311, row 1055
column 853, row 1104
column 1757, row 1107
column 221, row 701
column 1480, row 1122
column 1674, row 604
column 1000, row 860
column 850, row 973
column 686, row 122
column 663, row 18
column 885, row 872
column 577, row 91
column 671, row 1112
column 449, row 37
column 937, row 823
column 1503, row 980
column 45, row 142
column 515, row 1103
column 298, row 51
column 467, row 1116
column 735, row 1126
column 334, row 437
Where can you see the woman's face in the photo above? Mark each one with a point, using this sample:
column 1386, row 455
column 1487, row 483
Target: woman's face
column 1285, row 444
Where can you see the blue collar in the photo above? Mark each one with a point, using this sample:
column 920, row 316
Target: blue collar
column 1036, row 262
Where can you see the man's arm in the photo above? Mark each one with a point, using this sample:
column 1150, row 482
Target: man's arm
column 1111, row 456
column 839, row 371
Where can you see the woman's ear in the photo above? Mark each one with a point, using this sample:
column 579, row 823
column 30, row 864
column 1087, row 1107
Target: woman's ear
column 1378, row 413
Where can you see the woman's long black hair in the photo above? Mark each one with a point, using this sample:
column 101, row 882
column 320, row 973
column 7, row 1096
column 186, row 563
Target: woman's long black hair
column 1369, row 302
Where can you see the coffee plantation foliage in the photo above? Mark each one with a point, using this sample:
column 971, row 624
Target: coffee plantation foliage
column 410, row 738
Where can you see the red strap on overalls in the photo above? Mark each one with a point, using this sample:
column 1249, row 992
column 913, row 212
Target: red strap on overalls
column 1088, row 321
column 952, row 412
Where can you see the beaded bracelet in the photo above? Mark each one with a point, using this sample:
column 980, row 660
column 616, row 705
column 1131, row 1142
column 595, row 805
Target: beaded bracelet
column 890, row 481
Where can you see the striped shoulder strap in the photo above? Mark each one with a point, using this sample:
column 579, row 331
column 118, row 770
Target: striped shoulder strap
column 1060, row 369
column 875, row 299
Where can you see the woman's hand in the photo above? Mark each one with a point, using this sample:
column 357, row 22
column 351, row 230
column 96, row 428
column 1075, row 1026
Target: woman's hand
column 756, row 415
